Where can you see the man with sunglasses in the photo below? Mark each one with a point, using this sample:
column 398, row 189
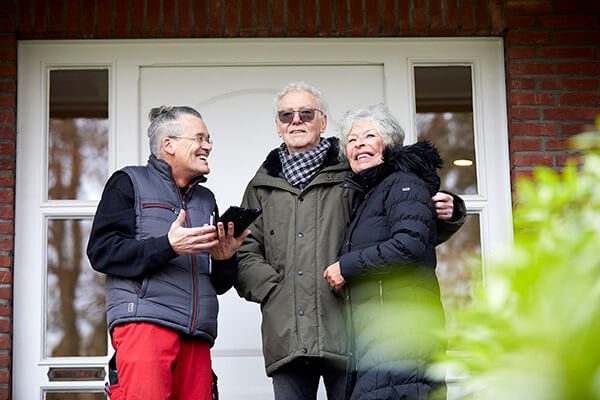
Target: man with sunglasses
column 300, row 232
column 165, row 261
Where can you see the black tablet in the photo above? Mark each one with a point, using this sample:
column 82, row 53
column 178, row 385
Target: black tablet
column 241, row 217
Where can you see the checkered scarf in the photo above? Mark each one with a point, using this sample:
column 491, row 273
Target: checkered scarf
column 300, row 168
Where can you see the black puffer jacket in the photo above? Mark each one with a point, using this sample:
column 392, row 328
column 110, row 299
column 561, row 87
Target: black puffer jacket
column 388, row 260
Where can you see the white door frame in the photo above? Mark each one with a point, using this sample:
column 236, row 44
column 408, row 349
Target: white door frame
column 125, row 58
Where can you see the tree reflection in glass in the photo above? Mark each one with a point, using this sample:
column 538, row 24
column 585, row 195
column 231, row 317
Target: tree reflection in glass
column 75, row 310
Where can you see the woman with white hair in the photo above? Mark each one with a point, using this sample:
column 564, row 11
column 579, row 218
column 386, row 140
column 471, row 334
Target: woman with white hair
column 387, row 263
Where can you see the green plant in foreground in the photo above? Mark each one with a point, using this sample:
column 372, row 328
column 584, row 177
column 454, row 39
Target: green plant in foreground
column 533, row 333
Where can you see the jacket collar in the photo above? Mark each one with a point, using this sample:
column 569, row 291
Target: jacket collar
column 164, row 170
column 273, row 164
column 421, row 159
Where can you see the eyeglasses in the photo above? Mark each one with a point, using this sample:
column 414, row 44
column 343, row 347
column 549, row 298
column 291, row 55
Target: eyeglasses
column 198, row 139
column 306, row 115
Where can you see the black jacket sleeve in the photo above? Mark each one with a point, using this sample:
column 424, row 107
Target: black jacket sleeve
column 224, row 274
column 112, row 248
column 445, row 229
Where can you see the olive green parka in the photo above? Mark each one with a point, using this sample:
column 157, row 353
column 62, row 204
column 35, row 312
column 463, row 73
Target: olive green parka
column 281, row 263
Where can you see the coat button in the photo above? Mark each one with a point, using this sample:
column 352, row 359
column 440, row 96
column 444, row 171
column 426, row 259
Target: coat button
column 301, row 313
column 300, row 198
column 300, row 272
column 272, row 232
column 304, row 350
column 301, row 235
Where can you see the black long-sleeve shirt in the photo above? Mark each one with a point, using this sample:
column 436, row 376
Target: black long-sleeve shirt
column 113, row 249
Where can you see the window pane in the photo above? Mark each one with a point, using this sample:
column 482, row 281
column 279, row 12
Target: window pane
column 78, row 134
column 445, row 118
column 458, row 268
column 74, row 396
column 76, row 312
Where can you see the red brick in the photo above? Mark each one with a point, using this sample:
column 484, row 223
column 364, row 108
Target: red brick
column 5, row 294
column 6, row 276
column 533, row 129
column 529, row 6
column 120, row 18
column 524, row 98
column 581, row 67
column 39, row 19
column 563, row 159
column 24, row 22
column 372, row 13
column 524, row 113
column 8, row 70
column 530, row 68
column 497, row 16
column 137, row 19
column 7, row 117
column 72, row 20
column 577, row 6
column 7, row 149
column 168, row 19
column 521, row 83
column 8, row 54
column 524, row 145
column 6, row 244
column 8, row 86
column 568, row 21
column 153, row 19
column 7, row 212
column 309, row 20
column 262, row 18
column 6, row 228
column 481, row 17
column 436, row 24
column 518, row 175
column 531, row 160
column 103, row 19
column 568, row 52
column 325, row 18
column 277, row 18
column 8, row 8
column 293, row 18
column 8, row 24
column 466, row 18
column 7, row 132
column 404, row 28
column 5, row 261
column 4, row 377
column 5, row 342
column 88, row 29
column 521, row 52
column 578, row 37
column 529, row 37
column 571, row 113
column 5, row 325
column 55, row 29
column 230, row 23
column 7, row 164
column 8, row 39
column 573, row 129
column 557, row 144
column 389, row 18
column 357, row 27
column 7, row 180
column 419, row 15
column 7, row 197
column 5, row 359
column 184, row 21
column 451, row 21
column 7, row 101
column 5, row 310
column 579, row 99
column 521, row 22
column 245, row 28
column 569, row 84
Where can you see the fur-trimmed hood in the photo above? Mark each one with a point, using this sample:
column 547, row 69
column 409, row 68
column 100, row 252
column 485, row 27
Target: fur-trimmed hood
column 421, row 159
column 273, row 163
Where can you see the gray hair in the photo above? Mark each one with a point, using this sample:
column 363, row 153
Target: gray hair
column 301, row 87
column 165, row 121
column 378, row 114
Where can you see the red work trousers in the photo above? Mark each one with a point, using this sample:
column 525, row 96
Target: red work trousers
column 154, row 363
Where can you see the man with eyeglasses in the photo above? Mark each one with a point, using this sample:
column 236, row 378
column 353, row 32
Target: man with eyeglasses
column 281, row 263
column 165, row 262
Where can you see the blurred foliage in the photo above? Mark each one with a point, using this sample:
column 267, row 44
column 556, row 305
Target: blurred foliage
column 534, row 332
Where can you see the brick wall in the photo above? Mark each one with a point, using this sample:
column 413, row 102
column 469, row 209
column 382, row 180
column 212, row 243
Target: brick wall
column 552, row 64
column 553, row 74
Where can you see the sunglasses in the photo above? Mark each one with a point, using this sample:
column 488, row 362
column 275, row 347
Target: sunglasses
column 305, row 115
